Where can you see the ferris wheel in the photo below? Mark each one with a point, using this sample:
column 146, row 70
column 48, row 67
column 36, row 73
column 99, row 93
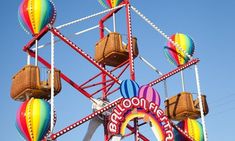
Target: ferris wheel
column 124, row 115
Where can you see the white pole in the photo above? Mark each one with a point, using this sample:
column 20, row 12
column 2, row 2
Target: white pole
column 28, row 59
column 165, row 89
column 36, row 53
column 88, row 17
column 52, row 82
column 200, row 102
column 182, row 80
column 114, row 22
column 150, row 65
column 76, row 34
column 155, row 27
column 156, row 70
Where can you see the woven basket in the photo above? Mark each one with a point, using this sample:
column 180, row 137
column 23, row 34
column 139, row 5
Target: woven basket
column 110, row 50
column 182, row 106
column 26, row 83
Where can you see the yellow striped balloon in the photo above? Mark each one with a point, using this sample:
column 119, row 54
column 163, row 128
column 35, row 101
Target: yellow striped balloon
column 34, row 15
column 174, row 54
column 192, row 127
column 33, row 119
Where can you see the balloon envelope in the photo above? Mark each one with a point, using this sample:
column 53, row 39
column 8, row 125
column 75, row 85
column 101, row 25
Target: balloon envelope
column 149, row 94
column 129, row 88
column 110, row 3
column 192, row 127
column 34, row 15
column 33, row 119
column 174, row 54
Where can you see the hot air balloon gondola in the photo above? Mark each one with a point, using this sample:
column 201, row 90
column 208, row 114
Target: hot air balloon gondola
column 182, row 106
column 112, row 52
column 27, row 83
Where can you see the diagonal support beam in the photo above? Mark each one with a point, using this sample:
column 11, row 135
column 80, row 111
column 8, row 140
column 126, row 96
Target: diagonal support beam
column 189, row 138
column 63, row 76
column 85, row 119
column 82, row 53
column 36, row 37
column 177, row 70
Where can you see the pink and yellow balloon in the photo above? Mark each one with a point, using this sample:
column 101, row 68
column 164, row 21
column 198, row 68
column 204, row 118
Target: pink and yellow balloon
column 174, row 54
column 33, row 119
column 34, row 15
column 110, row 3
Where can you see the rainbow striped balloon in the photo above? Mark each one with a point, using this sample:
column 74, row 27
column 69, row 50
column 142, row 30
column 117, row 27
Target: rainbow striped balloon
column 149, row 94
column 129, row 88
column 34, row 15
column 33, row 119
column 110, row 3
column 175, row 55
column 192, row 127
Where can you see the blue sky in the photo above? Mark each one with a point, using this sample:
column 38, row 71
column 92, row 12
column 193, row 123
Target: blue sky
column 210, row 24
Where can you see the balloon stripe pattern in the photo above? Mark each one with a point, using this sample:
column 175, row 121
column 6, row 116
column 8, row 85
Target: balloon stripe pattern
column 34, row 15
column 129, row 88
column 110, row 3
column 192, row 127
column 175, row 55
column 149, row 94
column 33, row 118
column 20, row 122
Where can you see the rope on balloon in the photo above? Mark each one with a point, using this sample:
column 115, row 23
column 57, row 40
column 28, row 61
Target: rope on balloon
column 160, row 31
column 90, row 16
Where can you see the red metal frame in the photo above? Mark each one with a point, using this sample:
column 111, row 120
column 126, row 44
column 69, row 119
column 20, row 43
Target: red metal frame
column 79, row 88
column 101, row 24
column 83, row 120
column 130, row 47
column 57, row 33
column 131, row 59
column 106, row 86
column 185, row 134
column 37, row 37
column 62, row 75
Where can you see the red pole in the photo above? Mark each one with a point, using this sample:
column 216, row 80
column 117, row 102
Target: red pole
column 130, row 45
column 104, row 86
column 131, row 58
column 101, row 24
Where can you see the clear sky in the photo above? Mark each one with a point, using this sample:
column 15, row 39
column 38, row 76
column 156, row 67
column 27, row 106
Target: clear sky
column 210, row 23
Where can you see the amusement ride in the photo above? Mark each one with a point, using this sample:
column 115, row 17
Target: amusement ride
column 118, row 101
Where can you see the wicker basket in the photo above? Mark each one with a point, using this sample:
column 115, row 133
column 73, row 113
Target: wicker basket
column 182, row 106
column 204, row 105
column 26, row 83
column 110, row 50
